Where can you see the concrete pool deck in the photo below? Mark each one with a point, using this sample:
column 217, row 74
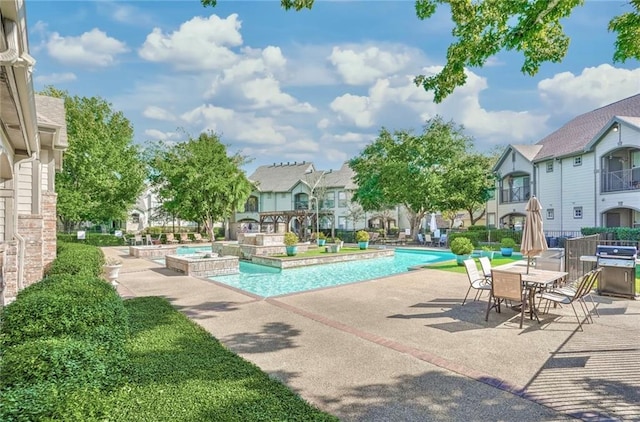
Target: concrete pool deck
column 402, row 348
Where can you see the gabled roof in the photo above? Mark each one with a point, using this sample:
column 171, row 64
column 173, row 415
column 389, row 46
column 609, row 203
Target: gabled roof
column 615, row 124
column 576, row 134
column 527, row 151
column 50, row 112
column 280, row 177
column 342, row 178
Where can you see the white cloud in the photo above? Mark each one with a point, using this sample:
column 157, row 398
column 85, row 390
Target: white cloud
column 93, row 48
column 158, row 113
column 55, row 78
column 199, row 44
column 323, row 123
column 266, row 93
column 595, row 87
column 354, row 109
column 363, row 65
column 155, row 134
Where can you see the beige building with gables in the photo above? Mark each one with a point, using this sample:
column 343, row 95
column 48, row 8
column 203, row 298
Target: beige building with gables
column 32, row 139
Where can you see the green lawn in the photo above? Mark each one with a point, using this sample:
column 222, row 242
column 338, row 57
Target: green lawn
column 178, row 372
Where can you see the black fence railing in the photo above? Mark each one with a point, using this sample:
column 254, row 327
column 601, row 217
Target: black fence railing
column 519, row 194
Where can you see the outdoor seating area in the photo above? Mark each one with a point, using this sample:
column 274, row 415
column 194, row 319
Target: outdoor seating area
column 425, row 325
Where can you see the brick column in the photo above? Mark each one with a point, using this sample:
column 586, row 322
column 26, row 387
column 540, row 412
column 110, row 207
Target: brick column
column 30, row 228
column 10, row 271
column 49, row 228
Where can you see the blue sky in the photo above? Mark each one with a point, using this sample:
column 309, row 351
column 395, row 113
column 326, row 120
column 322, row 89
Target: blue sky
column 314, row 85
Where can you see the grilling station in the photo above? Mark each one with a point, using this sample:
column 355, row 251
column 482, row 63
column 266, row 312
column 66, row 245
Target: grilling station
column 618, row 277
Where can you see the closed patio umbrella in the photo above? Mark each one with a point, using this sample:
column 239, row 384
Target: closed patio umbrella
column 533, row 240
column 433, row 225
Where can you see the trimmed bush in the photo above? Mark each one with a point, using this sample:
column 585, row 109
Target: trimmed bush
column 95, row 239
column 66, row 306
column 461, row 246
column 77, row 259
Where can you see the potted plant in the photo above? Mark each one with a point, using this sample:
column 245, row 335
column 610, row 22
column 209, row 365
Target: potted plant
column 462, row 248
column 321, row 238
column 291, row 243
column 335, row 245
column 506, row 246
column 362, row 237
column 488, row 252
column 112, row 269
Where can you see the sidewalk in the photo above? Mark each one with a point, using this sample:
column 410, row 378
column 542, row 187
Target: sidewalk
column 403, row 348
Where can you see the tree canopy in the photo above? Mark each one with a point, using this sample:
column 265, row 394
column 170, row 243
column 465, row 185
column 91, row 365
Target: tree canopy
column 422, row 172
column 197, row 180
column 102, row 173
column 484, row 28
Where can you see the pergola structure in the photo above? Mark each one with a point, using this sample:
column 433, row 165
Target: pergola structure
column 301, row 216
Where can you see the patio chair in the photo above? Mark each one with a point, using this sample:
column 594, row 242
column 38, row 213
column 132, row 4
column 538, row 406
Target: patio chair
column 420, row 239
column 374, row 237
column 570, row 294
column 506, row 285
column 197, row 237
column 402, row 238
column 137, row 239
column 443, row 241
column 476, row 280
column 428, row 240
column 485, row 264
column 170, row 238
column 184, row 238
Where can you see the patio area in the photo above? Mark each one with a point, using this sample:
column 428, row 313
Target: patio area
column 403, row 348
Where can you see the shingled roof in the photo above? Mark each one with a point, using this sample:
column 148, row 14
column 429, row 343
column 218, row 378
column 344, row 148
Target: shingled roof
column 283, row 177
column 51, row 112
column 576, row 134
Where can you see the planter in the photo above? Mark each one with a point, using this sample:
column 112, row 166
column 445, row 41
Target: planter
column 321, row 242
column 111, row 273
column 461, row 258
column 488, row 254
column 363, row 245
column 333, row 247
column 292, row 250
column 506, row 251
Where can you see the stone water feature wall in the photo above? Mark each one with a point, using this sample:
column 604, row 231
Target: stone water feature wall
column 250, row 245
column 198, row 265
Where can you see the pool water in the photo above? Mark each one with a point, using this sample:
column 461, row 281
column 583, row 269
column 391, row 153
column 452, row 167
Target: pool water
column 267, row 281
column 187, row 250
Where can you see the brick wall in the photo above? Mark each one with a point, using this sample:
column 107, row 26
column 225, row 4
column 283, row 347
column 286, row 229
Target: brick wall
column 50, row 220
column 30, row 228
column 9, row 258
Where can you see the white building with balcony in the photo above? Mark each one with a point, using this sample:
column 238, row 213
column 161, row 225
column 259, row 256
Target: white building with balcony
column 585, row 174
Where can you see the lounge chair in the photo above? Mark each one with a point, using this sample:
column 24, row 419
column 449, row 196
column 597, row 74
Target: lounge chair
column 170, row 238
column 420, row 239
column 443, row 241
column 184, row 238
column 428, row 240
column 373, row 237
column 197, row 237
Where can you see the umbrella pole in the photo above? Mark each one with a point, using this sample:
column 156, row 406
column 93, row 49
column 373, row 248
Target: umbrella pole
column 528, row 263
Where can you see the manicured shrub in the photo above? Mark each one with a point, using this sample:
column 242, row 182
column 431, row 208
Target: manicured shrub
column 461, row 246
column 63, row 359
column 86, row 308
column 95, row 239
column 472, row 236
column 76, row 259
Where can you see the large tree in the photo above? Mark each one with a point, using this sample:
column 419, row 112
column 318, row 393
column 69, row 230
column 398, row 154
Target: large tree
column 484, row 28
column 470, row 183
column 198, row 180
column 102, row 173
column 409, row 169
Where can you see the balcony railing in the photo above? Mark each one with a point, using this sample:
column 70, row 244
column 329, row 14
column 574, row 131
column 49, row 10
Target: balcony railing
column 621, row 180
column 519, row 194
column 301, row 205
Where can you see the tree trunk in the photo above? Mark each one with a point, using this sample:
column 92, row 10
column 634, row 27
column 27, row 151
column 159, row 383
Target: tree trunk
column 474, row 220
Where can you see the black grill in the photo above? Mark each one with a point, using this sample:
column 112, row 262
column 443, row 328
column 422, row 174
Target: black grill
column 618, row 277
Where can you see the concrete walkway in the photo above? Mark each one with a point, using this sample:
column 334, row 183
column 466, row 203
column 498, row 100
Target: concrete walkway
column 403, row 348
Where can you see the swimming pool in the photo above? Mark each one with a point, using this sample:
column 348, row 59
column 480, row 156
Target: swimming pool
column 187, row 250
column 267, row 281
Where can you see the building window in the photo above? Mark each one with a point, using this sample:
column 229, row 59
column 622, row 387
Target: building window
column 549, row 213
column 513, row 157
column 342, row 199
column 251, row 205
column 577, row 212
column 549, row 166
column 491, row 219
column 577, row 161
column 135, row 218
column 342, row 223
column 329, row 200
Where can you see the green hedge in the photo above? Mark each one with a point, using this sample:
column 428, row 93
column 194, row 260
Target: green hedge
column 76, row 259
column 618, row 233
column 473, row 236
column 95, row 239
